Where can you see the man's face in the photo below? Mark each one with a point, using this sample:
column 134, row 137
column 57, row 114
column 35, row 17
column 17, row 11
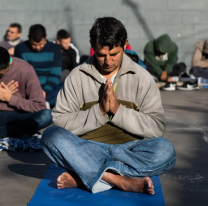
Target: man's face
column 37, row 46
column 109, row 60
column 12, row 34
column 64, row 43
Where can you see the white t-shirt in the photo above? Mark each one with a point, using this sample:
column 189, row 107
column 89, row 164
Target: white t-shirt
column 112, row 78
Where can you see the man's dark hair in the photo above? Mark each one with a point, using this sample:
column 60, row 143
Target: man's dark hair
column 37, row 32
column 108, row 31
column 62, row 34
column 4, row 58
column 18, row 26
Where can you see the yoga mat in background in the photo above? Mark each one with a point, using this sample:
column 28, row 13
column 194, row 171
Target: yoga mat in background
column 47, row 194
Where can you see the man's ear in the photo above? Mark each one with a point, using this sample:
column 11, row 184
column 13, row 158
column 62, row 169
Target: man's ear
column 58, row 42
column 126, row 43
column 19, row 35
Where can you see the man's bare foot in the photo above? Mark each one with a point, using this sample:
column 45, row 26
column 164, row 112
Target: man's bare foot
column 65, row 180
column 143, row 185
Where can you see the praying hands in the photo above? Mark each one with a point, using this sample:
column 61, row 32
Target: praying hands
column 6, row 91
column 109, row 102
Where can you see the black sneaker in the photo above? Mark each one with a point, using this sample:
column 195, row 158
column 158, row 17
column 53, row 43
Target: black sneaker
column 169, row 86
column 188, row 86
column 187, row 78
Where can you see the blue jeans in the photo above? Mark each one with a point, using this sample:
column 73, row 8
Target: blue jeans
column 89, row 159
column 17, row 124
column 199, row 72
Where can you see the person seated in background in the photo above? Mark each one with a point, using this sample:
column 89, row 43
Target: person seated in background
column 161, row 61
column 12, row 38
column 22, row 105
column 44, row 56
column 199, row 66
column 69, row 53
column 200, row 60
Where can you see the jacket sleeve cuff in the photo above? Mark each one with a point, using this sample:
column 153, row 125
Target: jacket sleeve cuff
column 100, row 118
column 13, row 101
column 117, row 116
column 168, row 69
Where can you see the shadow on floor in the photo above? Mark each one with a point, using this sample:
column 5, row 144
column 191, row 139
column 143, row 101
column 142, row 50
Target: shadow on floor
column 33, row 164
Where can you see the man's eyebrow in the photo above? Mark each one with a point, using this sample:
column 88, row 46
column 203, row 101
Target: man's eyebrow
column 109, row 54
column 115, row 53
column 101, row 54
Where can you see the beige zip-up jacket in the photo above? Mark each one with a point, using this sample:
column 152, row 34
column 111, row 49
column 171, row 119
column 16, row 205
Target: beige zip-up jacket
column 198, row 59
column 139, row 115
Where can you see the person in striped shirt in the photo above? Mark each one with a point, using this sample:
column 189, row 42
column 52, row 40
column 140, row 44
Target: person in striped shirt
column 44, row 56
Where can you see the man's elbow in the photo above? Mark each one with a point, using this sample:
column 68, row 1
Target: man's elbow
column 159, row 130
column 39, row 107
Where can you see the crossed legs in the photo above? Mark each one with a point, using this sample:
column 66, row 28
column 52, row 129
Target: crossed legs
column 99, row 166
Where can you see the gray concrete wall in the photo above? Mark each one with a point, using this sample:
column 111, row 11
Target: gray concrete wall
column 186, row 21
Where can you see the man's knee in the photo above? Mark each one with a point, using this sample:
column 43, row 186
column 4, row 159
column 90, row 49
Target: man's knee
column 55, row 135
column 165, row 148
column 45, row 117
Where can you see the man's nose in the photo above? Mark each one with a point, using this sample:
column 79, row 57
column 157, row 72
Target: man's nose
column 107, row 59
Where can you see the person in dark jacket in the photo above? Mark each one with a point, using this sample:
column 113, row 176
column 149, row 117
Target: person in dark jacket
column 161, row 60
column 69, row 55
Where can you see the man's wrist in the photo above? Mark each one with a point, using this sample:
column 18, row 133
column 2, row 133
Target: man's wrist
column 114, row 112
column 8, row 97
column 101, row 110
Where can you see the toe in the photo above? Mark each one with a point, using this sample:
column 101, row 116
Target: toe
column 151, row 191
column 60, row 186
column 59, row 179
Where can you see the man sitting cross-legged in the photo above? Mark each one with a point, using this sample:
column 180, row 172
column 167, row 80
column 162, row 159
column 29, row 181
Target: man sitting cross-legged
column 22, row 105
column 106, row 116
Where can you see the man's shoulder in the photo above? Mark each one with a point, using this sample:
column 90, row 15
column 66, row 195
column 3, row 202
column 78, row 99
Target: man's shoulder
column 22, row 46
column 53, row 47
column 81, row 70
column 71, row 50
column 21, row 64
column 5, row 44
column 200, row 44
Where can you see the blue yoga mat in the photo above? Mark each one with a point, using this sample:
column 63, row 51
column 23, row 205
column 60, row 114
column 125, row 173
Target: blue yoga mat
column 47, row 194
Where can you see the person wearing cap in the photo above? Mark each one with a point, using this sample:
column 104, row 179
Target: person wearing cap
column 161, row 57
column 22, row 105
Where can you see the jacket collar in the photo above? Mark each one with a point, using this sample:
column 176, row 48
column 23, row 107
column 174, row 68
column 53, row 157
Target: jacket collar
column 89, row 67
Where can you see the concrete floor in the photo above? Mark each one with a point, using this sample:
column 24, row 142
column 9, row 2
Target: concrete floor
column 186, row 184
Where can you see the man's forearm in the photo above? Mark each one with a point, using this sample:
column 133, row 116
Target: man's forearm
column 139, row 123
column 79, row 122
column 26, row 105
